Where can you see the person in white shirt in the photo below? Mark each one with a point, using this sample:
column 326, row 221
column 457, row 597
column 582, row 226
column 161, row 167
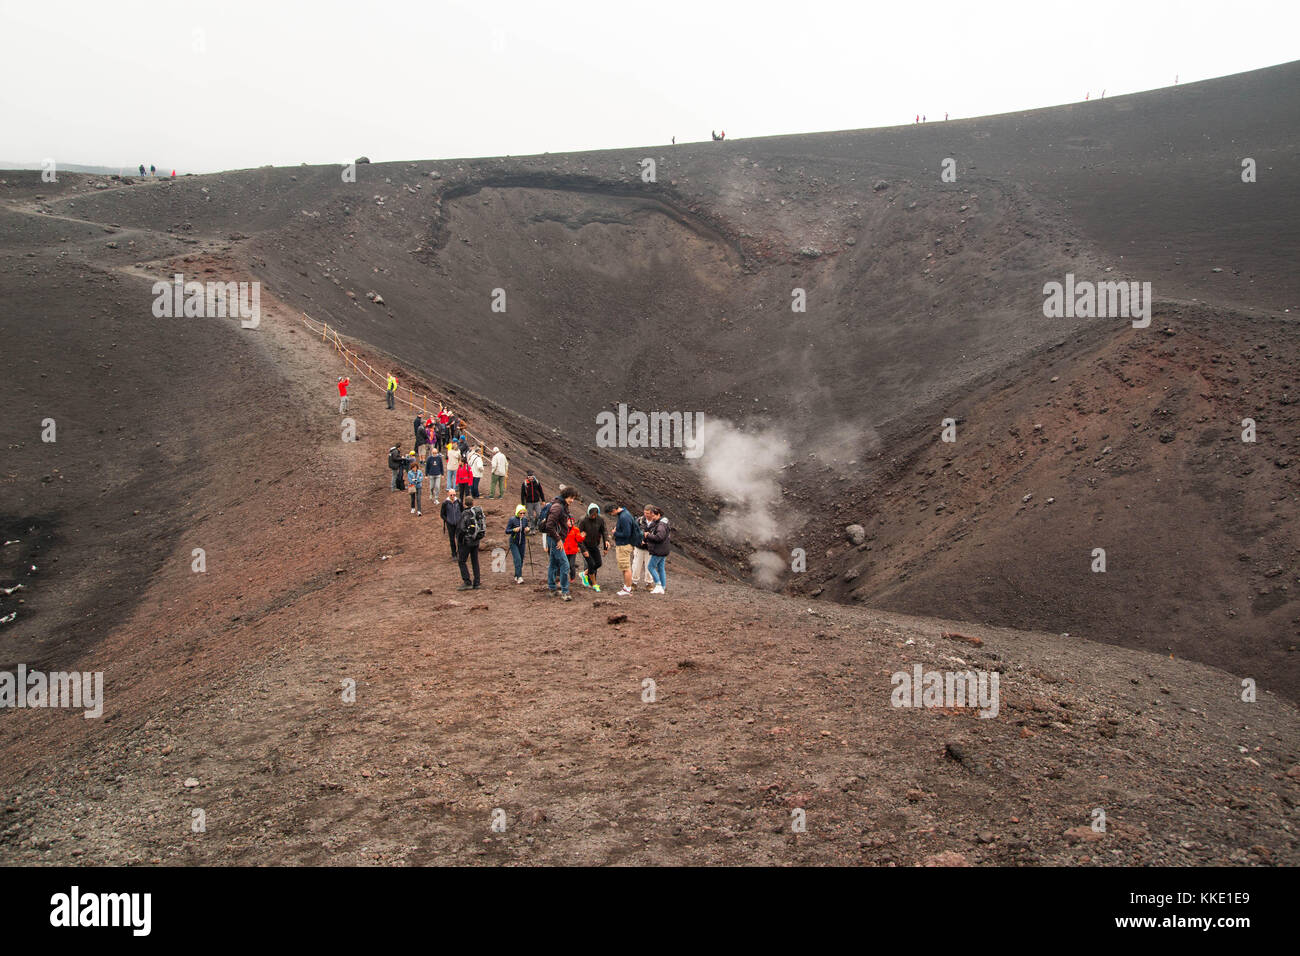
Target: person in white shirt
column 500, row 468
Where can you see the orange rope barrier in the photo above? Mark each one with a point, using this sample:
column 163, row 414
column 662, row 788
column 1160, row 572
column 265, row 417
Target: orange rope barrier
column 356, row 362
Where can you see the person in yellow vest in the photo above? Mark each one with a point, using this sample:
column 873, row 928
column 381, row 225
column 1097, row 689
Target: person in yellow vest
column 392, row 390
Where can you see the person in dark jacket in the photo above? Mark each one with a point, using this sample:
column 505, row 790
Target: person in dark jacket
column 433, row 472
column 451, row 517
column 516, row 534
column 557, row 529
column 420, row 438
column 467, row 544
column 531, row 497
column 626, row 535
column 656, row 539
column 395, row 466
column 595, row 544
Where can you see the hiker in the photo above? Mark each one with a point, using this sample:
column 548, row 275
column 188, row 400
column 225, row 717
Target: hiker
column 476, row 469
column 464, row 479
column 627, row 533
column 433, row 471
column 500, row 469
column 451, row 517
column 517, row 534
column 142, row 169
column 656, row 537
column 572, row 545
column 391, row 390
column 153, row 170
column 462, row 441
column 419, row 433
column 595, row 544
column 641, row 552
column 531, row 496
column 344, row 382
column 415, row 481
column 714, row 134
column 470, row 531
column 453, row 464
column 722, row 135
column 394, row 465
column 556, row 524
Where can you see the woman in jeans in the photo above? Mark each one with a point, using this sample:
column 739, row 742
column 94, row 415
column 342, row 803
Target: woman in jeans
column 414, row 480
column 656, row 540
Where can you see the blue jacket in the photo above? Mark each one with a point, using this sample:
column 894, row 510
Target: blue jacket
column 625, row 530
column 516, row 528
column 414, row 478
column 434, row 465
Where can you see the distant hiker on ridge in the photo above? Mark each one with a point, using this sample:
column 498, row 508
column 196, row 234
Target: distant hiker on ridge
column 391, row 392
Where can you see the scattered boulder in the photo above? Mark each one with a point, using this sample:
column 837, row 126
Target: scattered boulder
column 856, row 533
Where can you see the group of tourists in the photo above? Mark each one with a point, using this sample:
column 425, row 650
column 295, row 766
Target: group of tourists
column 567, row 532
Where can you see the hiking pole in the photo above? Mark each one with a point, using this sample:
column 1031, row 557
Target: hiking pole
column 528, row 545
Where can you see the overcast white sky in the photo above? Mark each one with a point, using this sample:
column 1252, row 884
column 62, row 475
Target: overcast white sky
column 202, row 86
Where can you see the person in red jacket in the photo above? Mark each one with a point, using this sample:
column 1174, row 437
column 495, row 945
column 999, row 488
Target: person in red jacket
column 572, row 545
column 344, row 382
column 464, row 479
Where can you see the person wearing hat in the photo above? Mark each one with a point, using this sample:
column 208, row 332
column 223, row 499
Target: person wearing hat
column 531, row 496
column 344, row 382
column 500, row 468
column 516, row 532
column 595, row 542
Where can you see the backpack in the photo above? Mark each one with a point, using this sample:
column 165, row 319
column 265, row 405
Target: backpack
column 638, row 538
column 477, row 530
column 541, row 516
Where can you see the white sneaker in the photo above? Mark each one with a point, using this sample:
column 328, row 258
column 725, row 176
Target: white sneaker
column 412, row 511
column 657, row 590
column 622, row 591
column 519, row 580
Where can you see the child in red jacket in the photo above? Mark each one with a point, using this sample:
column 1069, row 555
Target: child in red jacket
column 572, row 545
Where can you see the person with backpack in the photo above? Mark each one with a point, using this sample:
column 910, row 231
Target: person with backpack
column 627, row 534
column 641, row 553
column 595, row 544
column 656, row 539
column 415, row 481
column 433, row 471
column 395, row 466
column 500, row 470
column 419, row 433
column 476, row 468
column 531, row 496
column 391, row 390
column 451, row 517
column 556, row 524
column 517, row 534
column 464, row 479
column 470, row 531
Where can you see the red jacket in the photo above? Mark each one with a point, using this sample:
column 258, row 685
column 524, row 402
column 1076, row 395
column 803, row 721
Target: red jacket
column 572, row 542
column 343, row 386
column 463, row 475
